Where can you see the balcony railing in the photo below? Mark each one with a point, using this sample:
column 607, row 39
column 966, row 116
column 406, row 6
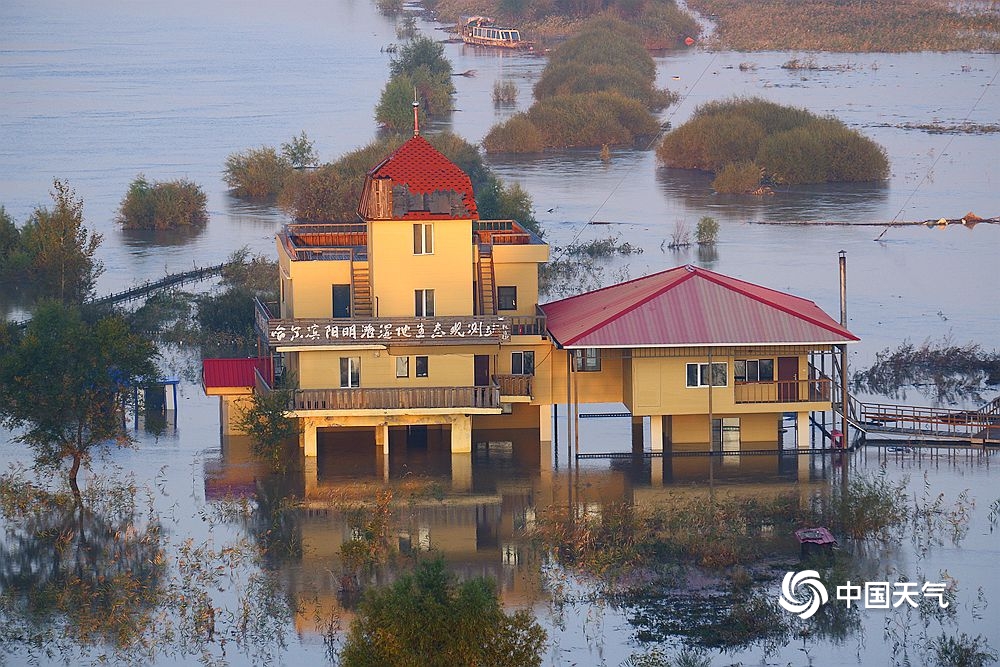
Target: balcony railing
column 397, row 398
column 527, row 325
column 446, row 330
column 329, row 242
column 514, row 385
column 503, row 232
column 784, row 391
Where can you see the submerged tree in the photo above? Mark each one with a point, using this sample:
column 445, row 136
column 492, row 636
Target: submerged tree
column 268, row 421
column 428, row 619
column 61, row 249
column 63, row 381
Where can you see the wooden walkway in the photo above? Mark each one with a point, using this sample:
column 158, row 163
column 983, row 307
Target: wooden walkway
column 977, row 427
column 150, row 287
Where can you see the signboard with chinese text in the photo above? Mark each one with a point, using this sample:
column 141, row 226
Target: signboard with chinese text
column 388, row 331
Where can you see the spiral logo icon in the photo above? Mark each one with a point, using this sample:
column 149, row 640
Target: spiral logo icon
column 815, row 593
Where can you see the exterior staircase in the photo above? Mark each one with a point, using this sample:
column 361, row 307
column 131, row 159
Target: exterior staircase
column 487, row 281
column 361, row 290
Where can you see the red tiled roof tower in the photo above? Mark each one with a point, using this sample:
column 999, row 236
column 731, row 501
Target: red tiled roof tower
column 424, row 170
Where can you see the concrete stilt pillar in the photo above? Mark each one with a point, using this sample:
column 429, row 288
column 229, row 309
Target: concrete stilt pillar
column 638, row 440
column 656, row 432
column 802, row 430
column 461, row 471
column 382, row 449
column 307, row 438
column 802, row 442
column 310, row 475
column 656, row 471
column 461, row 435
column 545, row 437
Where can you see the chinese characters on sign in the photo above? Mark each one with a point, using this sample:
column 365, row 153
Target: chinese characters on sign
column 477, row 330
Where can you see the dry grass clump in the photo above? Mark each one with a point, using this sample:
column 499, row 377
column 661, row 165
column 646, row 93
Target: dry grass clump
column 739, row 139
column 887, row 26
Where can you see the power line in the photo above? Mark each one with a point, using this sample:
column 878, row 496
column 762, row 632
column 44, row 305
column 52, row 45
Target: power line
column 941, row 154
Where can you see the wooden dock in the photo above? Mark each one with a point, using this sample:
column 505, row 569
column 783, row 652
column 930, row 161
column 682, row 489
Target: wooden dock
column 974, row 427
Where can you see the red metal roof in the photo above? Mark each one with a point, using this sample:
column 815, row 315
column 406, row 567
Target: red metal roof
column 221, row 373
column 424, row 170
column 689, row 306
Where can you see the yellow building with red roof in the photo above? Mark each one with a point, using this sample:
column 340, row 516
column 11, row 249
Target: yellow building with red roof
column 420, row 320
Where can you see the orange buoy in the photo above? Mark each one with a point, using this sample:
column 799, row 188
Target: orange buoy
column 689, row 41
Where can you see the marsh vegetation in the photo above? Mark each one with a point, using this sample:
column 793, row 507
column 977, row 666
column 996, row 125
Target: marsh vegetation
column 822, row 25
column 749, row 142
column 597, row 89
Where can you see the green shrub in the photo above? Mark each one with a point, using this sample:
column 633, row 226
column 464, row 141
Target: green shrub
column 737, row 178
column 428, row 619
column 420, row 66
column 497, row 201
column 666, row 26
column 300, row 152
column 256, row 173
column 707, row 231
column 517, row 135
column 162, row 205
column 323, row 195
column 504, row 92
column 791, row 145
column 793, row 157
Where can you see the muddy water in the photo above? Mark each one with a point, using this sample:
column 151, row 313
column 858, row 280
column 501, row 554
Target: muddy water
column 100, row 92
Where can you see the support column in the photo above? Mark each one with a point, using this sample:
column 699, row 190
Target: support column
column 656, row 471
column 382, row 448
column 545, row 422
column 802, row 442
column 461, row 471
column 638, row 442
column 545, row 437
column 307, row 438
column 461, row 435
column 310, row 476
column 656, row 433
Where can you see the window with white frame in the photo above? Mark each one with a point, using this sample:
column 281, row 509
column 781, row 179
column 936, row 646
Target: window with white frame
column 423, row 238
column 421, row 367
column 423, row 303
column 350, row 372
column 698, row 375
column 402, row 367
column 522, row 363
column 753, row 370
column 587, row 360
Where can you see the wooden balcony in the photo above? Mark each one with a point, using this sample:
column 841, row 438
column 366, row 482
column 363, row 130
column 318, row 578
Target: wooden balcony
column 514, row 385
column 398, row 398
column 790, row 391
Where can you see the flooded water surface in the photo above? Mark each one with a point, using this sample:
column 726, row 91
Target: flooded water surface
column 96, row 93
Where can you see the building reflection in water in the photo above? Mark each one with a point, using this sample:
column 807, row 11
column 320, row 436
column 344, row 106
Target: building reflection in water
column 477, row 517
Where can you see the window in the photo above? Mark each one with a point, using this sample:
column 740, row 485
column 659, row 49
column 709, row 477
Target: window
column 402, row 367
column 350, row 372
column 697, row 375
column 423, row 303
column 506, row 298
column 421, row 367
column 522, row 363
column 423, row 238
column 587, row 360
column 753, row 370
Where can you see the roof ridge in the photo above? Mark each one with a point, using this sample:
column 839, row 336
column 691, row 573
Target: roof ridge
column 637, row 304
column 716, row 278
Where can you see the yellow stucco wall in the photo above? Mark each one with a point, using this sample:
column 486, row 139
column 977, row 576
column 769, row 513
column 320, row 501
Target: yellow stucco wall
column 659, row 384
column 447, row 366
column 396, row 272
column 757, row 431
column 524, row 277
column 308, row 288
